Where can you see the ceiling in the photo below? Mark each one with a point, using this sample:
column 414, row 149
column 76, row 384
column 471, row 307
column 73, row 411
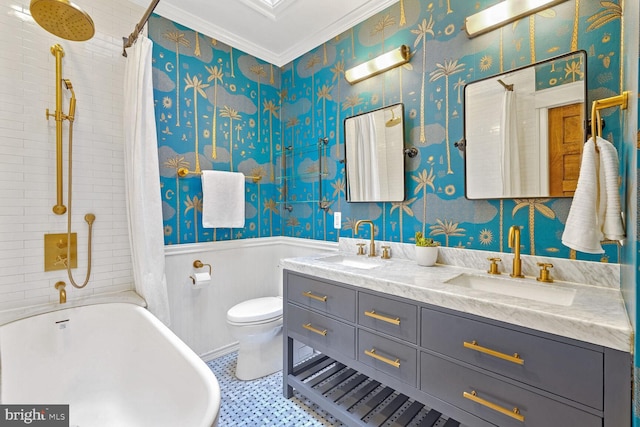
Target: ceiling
column 276, row 31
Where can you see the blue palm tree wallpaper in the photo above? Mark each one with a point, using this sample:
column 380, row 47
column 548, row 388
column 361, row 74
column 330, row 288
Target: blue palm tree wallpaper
column 239, row 113
column 216, row 108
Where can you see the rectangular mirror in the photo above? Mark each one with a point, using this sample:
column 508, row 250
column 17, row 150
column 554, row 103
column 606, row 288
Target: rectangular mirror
column 374, row 155
column 524, row 130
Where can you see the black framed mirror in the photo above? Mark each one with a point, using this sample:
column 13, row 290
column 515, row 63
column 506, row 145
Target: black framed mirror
column 374, row 155
column 524, row 130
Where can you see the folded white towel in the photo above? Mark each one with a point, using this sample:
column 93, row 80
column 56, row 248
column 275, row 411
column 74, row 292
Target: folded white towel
column 582, row 231
column 610, row 213
column 222, row 199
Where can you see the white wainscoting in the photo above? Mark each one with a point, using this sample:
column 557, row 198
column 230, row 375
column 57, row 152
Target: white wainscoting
column 242, row 269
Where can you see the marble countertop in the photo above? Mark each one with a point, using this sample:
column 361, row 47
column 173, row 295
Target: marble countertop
column 597, row 314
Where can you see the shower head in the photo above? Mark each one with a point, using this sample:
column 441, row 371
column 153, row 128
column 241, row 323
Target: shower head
column 393, row 120
column 63, row 19
column 72, row 103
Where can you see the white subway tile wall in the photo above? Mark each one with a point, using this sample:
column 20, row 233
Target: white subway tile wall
column 27, row 152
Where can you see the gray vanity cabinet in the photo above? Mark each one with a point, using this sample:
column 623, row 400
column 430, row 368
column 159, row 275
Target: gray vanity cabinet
column 322, row 332
column 324, row 297
column 388, row 316
column 386, row 355
column 497, row 401
column 568, row 370
column 478, row 371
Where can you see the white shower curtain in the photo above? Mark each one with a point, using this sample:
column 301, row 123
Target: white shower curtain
column 510, row 162
column 365, row 154
column 142, row 181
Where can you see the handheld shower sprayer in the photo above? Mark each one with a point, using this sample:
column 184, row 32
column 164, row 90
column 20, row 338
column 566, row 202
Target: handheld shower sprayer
column 72, row 102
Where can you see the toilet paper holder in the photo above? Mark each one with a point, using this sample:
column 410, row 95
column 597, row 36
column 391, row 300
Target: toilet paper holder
column 199, row 264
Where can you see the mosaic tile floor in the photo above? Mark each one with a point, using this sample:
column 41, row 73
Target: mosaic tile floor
column 260, row 403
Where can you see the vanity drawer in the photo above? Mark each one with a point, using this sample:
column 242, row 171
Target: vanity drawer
column 486, row 396
column 321, row 332
column 322, row 296
column 563, row 369
column 389, row 356
column 392, row 317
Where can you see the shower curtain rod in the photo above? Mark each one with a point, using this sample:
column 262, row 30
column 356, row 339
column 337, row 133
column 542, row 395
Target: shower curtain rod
column 128, row 41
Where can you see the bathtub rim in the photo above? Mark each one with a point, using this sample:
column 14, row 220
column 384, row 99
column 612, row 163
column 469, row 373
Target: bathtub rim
column 16, row 314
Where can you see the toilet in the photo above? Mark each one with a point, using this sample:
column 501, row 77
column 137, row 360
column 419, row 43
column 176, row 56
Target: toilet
column 257, row 325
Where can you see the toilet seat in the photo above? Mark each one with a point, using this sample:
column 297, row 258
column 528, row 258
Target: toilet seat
column 258, row 310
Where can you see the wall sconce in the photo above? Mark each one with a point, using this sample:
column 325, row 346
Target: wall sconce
column 378, row 65
column 503, row 13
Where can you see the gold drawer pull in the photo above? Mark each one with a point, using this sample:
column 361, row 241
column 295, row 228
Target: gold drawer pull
column 316, row 297
column 514, row 413
column 377, row 316
column 473, row 345
column 372, row 353
column 308, row 327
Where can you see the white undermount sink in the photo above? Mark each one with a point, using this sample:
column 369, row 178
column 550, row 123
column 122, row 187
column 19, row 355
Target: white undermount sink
column 536, row 291
column 362, row 262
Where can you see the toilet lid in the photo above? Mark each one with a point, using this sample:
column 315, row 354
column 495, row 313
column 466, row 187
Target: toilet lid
column 255, row 310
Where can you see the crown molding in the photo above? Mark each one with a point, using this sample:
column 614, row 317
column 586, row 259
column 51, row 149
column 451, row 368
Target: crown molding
column 294, row 50
column 202, row 26
column 332, row 30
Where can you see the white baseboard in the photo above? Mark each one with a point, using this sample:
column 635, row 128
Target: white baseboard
column 219, row 352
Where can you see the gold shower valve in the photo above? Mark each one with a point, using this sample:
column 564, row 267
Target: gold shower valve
column 55, row 251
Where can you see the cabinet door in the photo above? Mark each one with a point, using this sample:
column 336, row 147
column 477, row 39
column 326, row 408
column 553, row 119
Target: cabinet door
column 494, row 400
column 322, row 296
column 566, row 370
column 396, row 318
column 320, row 332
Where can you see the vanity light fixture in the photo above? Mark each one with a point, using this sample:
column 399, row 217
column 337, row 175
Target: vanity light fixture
column 503, row 13
column 380, row 64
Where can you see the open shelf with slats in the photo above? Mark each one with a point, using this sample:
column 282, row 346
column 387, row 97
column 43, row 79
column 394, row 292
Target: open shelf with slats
column 358, row 400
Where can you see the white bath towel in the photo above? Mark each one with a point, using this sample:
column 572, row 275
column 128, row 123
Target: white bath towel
column 222, row 199
column 582, row 231
column 610, row 211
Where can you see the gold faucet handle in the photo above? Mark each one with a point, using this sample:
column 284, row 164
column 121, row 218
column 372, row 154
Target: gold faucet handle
column 386, row 252
column 544, row 272
column 493, row 267
column 361, row 248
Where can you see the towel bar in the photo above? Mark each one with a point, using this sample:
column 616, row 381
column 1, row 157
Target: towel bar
column 602, row 104
column 182, row 172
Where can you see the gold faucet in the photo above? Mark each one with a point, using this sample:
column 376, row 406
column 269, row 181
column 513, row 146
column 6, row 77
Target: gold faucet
column 514, row 242
column 372, row 245
column 63, row 294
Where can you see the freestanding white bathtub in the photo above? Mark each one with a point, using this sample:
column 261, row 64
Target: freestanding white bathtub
column 114, row 364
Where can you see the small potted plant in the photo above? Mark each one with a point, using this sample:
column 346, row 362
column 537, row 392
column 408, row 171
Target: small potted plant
column 426, row 250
